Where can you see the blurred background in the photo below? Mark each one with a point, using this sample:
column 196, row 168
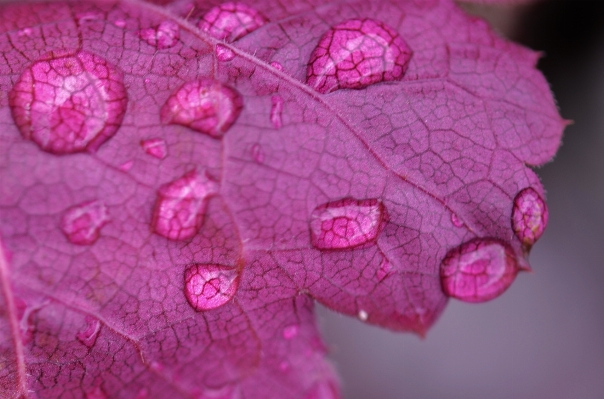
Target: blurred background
column 544, row 338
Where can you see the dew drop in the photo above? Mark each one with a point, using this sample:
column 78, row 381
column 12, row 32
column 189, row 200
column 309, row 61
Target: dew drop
column 363, row 316
column 82, row 223
column 204, row 105
column 455, row 220
column 529, row 216
column 68, row 102
column 120, row 23
column 223, row 53
column 90, row 333
column 155, row 147
column 180, row 206
column 258, row 153
column 478, row 270
column 290, row 331
column 24, row 32
column 356, row 54
column 164, row 36
column 346, row 223
column 276, row 111
column 126, row 166
column 277, row 66
column 209, row 286
column 231, row 21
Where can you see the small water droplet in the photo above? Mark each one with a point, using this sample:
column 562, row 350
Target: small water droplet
column 258, row 153
column 478, row 270
column 356, row 54
column 290, row 331
column 24, row 32
column 155, row 147
column 180, row 206
column 529, row 216
column 276, row 111
column 209, row 286
column 164, row 36
column 90, row 333
column 384, row 270
column 126, row 166
column 156, row 366
column 223, row 53
column 231, row 21
column 68, row 102
column 277, row 66
column 204, row 105
column 82, row 223
column 346, row 223
column 120, row 23
column 363, row 316
column 455, row 220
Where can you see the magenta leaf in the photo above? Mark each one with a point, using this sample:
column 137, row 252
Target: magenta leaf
column 179, row 181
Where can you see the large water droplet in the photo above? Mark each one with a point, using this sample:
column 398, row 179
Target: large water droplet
column 276, row 111
column 208, row 286
column 82, row 223
column 204, row 105
column 68, row 101
column 356, row 54
column 180, row 206
column 155, row 147
column 291, row 331
column 346, row 223
column 529, row 216
column 231, row 21
column 90, row 333
column 165, row 35
column 478, row 270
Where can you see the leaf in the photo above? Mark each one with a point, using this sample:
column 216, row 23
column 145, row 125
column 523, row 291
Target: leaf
column 171, row 203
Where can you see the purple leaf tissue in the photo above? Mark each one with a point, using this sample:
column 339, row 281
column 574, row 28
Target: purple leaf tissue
column 180, row 181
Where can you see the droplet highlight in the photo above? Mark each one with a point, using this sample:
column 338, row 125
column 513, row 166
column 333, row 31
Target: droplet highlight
column 478, row 270
column 68, row 101
column 209, row 286
column 204, row 105
column 223, row 53
column 231, row 21
column 258, row 154
column 529, row 216
column 276, row 111
column 291, row 331
column 346, row 223
column 164, row 36
column 455, row 220
column 90, row 333
column 355, row 54
column 82, row 223
column 277, row 66
column 157, row 148
column 363, row 315
column 180, row 206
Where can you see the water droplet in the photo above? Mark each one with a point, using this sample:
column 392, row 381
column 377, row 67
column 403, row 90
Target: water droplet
column 82, row 223
column 231, row 21
column 96, row 393
column 120, row 23
column 164, row 36
column 180, row 206
column 90, row 333
column 68, row 102
column 277, row 66
column 291, row 331
column 478, row 270
column 156, row 366
column 529, row 217
column 455, row 220
column 204, row 105
column 209, row 286
column 223, row 53
column 155, row 147
column 276, row 111
column 363, row 316
column 346, row 223
column 258, row 153
column 356, row 54
column 24, row 32
column 126, row 166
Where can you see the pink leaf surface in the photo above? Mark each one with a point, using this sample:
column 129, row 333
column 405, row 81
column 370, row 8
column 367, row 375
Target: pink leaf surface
column 179, row 181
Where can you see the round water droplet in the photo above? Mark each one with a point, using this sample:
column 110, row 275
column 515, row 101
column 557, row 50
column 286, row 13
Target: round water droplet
column 277, row 66
column 68, row 101
column 208, row 286
column 529, row 216
column 478, row 270
column 164, row 36
column 155, row 147
column 24, row 32
column 291, row 331
column 258, row 153
column 204, row 105
column 120, row 23
column 363, row 316
column 82, row 223
column 356, row 54
column 276, row 111
column 180, row 206
column 90, row 333
column 223, row 53
column 231, row 21
column 346, row 223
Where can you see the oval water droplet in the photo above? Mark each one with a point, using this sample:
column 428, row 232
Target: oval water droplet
column 180, row 206
column 68, row 101
column 291, row 331
column 120, row 23
column 277, row 66
column 204, row 105
column 208, row 286
column 24, row 32
column 478, row 270
column 223, row 53
column 258, row 153
column 155, row 147
column 455, row 220
column 90, row 333
column 363, row 315
column 231, row 21
column 82, row 223
column 529, row 216
column 276, row 111
column 346, row 223
column 356, row 54
column 164, row 36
